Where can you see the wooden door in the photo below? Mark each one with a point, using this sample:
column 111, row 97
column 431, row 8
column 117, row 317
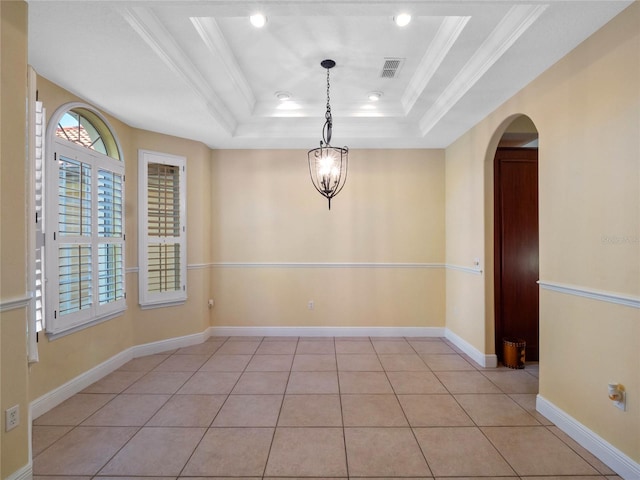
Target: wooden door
column 516, row 247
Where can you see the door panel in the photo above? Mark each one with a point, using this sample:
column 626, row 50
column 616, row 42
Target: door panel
column 516, row 247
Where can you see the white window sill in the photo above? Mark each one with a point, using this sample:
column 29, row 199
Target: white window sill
column 90, row 323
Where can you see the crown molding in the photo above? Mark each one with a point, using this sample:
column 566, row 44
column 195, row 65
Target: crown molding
column 149, row 27
column 214, row 40
column 517, row 20
column 449, row 31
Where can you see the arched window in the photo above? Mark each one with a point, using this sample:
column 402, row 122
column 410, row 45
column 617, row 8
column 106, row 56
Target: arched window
column 83, row 220
column 84, row 127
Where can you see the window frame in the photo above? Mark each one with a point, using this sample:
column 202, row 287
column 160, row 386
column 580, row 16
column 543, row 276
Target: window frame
column 146, row 298
column 56, row 323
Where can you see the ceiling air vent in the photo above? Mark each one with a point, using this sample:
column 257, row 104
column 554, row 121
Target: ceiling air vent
column 391, row 67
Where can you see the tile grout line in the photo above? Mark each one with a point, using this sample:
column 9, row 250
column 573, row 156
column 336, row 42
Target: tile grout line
column 495, row 447
column 411, row 429
column 74, row 427
column 174, row 395
column 344, row 432
column 577, row 452
column 139, row 428
column 284, row 393
column 206, row 429
column 170, row 397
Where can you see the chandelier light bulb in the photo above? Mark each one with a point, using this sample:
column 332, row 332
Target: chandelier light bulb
column 327, row 165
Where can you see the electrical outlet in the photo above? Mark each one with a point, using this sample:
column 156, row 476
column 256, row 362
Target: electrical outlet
column 12, row 417
column 310, row 305
column 622, row 403
column 617, row 396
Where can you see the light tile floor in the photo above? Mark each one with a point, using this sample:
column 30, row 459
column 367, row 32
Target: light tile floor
column 308, row 407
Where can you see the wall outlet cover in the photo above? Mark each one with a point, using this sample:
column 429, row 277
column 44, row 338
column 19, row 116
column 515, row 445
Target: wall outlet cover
column 12, row 417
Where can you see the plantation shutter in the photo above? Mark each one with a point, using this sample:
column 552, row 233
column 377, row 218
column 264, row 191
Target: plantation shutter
column 75, row 292
column 79, row 261
column 39, row 207
column 163, row 248
column 111, row 237
column 36, row 115
column 86, row 246
column 163, row 227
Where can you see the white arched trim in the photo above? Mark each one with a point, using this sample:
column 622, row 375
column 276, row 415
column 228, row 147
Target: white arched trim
column 52, row 123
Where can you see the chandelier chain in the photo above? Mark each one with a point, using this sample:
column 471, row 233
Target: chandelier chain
column 328, row 114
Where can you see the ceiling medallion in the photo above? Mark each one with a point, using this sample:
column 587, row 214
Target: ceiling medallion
column 327, row 164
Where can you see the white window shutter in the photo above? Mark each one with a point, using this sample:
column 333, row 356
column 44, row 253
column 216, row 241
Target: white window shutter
column 162, row 229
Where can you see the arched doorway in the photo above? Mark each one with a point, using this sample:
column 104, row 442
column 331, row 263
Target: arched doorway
column 516, row 255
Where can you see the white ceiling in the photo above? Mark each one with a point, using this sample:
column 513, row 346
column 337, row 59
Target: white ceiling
column 198, row 69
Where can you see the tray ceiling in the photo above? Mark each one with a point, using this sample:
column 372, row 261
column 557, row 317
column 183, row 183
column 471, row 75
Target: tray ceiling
column 200, row 70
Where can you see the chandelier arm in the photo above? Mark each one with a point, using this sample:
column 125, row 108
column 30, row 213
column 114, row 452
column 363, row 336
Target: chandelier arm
column 344, row 157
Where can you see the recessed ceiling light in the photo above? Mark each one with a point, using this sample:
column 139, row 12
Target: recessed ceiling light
column 374, row 96
column 283, row 96
column 258, row 20
column 402, row 19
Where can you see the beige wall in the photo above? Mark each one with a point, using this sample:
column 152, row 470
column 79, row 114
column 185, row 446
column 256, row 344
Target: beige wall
column 193, row 317
column 14, row 445
column 265, row 210
column 67, row 357
column 251, row 207
column 464, row 242
column 259, row 206
column 586, row 109
column 589, row 193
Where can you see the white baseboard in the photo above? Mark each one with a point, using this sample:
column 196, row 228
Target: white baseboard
column 24, row 473
column 607, row 453
column 55, row 397
column 171, row 343
column 483, row 359
column 329, row 331
column 603, row 450
column 58, row 395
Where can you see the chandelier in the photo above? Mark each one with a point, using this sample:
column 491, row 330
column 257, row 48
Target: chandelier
column 327, row 164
